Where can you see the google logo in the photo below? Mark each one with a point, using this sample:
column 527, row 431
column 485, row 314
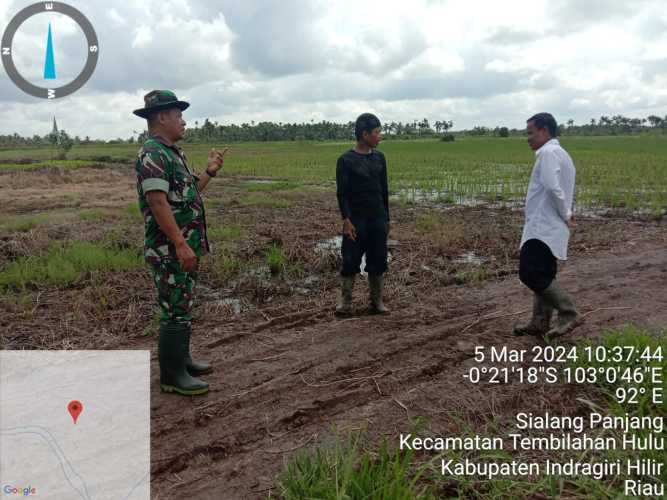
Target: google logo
column 23, row 492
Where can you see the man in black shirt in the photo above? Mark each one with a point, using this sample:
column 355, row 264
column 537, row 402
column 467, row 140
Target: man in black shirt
column 363, row 199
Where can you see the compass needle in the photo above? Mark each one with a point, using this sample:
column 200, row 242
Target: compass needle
column 49, row 64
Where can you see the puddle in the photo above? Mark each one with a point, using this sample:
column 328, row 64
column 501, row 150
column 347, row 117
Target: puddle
column 502, row 191
column 208, row 294
column 306, row 285
column 445, row 201
column 470, row 258
column 600, row 212
column 330, row 245
column 311, row 280
column 473, row 202
column 262, row 273
column 331, row 248
column 233, row 304
column 261, row 276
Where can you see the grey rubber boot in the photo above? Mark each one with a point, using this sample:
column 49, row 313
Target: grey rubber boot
column 568, row 316
column 172, row 351
column 195, row 368
column 376, row 285
column 541, row 320
column 345, row 306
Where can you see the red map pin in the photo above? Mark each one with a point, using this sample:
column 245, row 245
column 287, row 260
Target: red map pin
column 75, row 408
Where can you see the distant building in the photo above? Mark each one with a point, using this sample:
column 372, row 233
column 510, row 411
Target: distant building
column 54, row 131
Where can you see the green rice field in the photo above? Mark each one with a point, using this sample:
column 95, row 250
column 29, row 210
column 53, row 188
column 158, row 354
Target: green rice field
column 618, row 172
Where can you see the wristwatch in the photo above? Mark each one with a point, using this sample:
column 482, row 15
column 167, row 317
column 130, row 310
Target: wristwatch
column 211, row 174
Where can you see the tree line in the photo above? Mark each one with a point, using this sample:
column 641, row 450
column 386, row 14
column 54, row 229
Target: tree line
column 314, row 131
column 605, row 125
column 211, row 131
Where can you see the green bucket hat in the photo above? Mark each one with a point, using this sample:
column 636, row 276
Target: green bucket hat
column 157, row 100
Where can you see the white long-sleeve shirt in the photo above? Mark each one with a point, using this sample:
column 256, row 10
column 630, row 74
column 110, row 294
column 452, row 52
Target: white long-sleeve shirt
column 549, row 198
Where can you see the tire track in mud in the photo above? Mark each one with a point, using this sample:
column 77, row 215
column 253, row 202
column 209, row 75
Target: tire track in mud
column 313, row 410
column 307, row 406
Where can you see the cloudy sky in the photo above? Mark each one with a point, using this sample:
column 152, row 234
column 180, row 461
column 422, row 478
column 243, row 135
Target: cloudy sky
column 474, row 62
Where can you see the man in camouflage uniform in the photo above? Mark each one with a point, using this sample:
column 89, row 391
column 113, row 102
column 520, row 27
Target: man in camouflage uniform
column 175, row 222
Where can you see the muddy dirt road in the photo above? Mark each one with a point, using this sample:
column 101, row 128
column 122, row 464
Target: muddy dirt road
column 282, row 387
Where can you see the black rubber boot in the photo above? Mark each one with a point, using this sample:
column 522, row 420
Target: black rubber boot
column 541, row 320
column 195, row 368
column 172, row 351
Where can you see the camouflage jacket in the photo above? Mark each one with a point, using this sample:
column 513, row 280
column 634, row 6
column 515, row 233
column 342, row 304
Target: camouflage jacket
column 164, row 168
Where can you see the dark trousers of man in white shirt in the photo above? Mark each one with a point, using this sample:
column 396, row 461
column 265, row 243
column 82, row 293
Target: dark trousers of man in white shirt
column 545, row 237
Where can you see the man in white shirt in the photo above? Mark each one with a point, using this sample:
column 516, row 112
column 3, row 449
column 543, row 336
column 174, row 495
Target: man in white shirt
column 547, row 230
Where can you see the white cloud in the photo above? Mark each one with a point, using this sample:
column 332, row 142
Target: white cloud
column 143, row 35
column 117, row 20
column 474, row 62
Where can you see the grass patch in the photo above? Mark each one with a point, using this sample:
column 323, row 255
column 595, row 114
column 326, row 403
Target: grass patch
column 446, row 231
column 21, row 223
column 344, row 470
column 62, row 266
column 124, row 236
column 64, row 164
column 223, row 265
column 212, row 203
column 275, row 259
column 471, row 276
column 256, row 199
column 229, row 265
column 132, row 211
column 428, row 223
column 226, row 233
column 447, row 198
column 21, row 302
column 93, row 215
column 153, row 326
column 270, row 186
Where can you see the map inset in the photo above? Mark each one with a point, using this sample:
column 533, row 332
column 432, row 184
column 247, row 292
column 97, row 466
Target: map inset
column 75, row 424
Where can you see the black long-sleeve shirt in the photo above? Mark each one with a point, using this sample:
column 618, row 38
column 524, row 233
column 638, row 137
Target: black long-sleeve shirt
column 361, row 184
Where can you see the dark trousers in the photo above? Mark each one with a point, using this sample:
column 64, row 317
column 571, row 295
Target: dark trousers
column 371, row 240
column 537, row 265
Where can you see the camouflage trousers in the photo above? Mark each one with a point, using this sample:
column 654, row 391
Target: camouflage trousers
column 175, row 291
